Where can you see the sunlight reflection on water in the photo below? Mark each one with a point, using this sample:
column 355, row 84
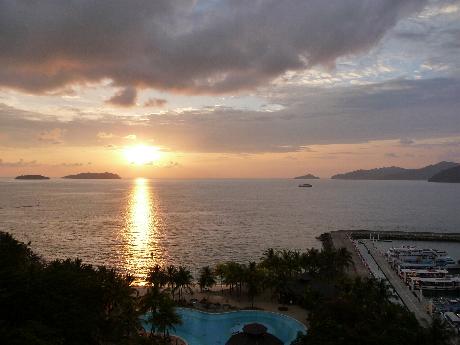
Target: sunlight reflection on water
column 119, row 223
column 142, row 231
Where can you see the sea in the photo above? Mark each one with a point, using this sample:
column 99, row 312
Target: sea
column 132, row 224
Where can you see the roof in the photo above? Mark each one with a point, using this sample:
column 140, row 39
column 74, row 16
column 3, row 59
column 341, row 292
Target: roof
column 255, row 329
column 452, row 317
column 254, row 334
column 245, row 339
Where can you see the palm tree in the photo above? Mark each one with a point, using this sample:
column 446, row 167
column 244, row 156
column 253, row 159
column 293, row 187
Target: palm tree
column 171, row 273
column 150, row 303
column 344, row 258
column 207, row 278
column 157, row 276
column 439, row 332
column 253, row 279
column 183, row 280
column 166, row 317
column 220, row 272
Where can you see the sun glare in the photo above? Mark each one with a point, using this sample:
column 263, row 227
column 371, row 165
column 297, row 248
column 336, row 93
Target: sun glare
column 142, row 154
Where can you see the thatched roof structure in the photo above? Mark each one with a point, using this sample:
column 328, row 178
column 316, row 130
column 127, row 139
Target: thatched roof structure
column 254, row 334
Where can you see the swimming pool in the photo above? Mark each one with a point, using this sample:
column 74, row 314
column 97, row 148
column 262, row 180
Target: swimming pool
column 200, row 328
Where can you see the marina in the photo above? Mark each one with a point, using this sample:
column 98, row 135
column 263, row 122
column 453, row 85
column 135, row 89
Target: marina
column 425, row 280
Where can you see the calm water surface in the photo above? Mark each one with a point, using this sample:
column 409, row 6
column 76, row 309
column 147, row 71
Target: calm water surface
column 131, row 224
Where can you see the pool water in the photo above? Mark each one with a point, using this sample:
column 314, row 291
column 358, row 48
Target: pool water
column 200, row 328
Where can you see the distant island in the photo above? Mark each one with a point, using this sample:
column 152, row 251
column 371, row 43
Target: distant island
column 397, row 173
column 32, row 177
column 451, row 175
column 307, row 177
column 95, row 176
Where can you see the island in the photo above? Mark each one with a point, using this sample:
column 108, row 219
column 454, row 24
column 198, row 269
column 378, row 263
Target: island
column 32, row 177
column 451, row 175
column 307, row 177
column 95, row 176
column 397, row 173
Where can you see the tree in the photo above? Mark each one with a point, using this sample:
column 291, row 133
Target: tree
column 362, row 314
column 166, row 317
column 439, row 333
column 207, row 278
column 171, row 273
column 63, row 301
column 220, row 272
column 253, row 280
column 183, row 280
column 150, row 303
column 157, row 276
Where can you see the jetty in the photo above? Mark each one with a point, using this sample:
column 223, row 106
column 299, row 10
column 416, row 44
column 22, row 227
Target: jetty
column 401, row 235
column 361, row 265
column 407, row 296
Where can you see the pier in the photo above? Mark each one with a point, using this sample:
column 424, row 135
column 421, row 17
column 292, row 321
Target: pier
column 404, row 236
column 404, row 293
column 343, row 238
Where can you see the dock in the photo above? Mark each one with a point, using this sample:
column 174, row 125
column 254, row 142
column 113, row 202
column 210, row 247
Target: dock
column 404, row 293
column 404, row 236
column 343, row 238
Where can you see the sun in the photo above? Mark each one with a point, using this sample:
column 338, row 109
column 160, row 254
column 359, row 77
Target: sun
column 142, row 154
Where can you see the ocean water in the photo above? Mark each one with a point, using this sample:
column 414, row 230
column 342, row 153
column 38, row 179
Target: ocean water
column 133, row 224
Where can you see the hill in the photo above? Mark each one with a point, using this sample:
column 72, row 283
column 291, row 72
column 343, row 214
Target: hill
column 451, row 175
column 96, row 176
column 396, row 173
column 32, row 177
column 307, row 177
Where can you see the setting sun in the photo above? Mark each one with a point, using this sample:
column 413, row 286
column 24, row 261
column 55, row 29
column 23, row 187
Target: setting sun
column 142, row 154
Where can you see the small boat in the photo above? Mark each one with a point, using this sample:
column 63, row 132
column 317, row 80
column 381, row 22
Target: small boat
column 305, row 185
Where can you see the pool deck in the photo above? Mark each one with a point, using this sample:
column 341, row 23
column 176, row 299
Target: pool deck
column 261, row 302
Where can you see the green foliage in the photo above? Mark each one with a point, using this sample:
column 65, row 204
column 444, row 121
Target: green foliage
column 363, row 314
column 62, row 302
column 207, row 278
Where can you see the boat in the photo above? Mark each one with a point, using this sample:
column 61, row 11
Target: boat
column 305, row 185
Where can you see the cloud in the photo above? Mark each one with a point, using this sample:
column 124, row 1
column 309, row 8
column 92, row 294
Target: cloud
column 415, row 109
column 19, row 164
column 71, row 164
column 391, row 155
column 53, row 136
column 124, row 98
column 155, row 102
column 406, row 141
column 183, row 45
column 130, row 137
column 165, row 165
column 104, row 135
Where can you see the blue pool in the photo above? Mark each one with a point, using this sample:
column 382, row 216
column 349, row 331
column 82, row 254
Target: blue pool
column 200, row 328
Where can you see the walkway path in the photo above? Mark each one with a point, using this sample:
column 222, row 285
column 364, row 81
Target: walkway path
column 340, row 239
column 406, row 295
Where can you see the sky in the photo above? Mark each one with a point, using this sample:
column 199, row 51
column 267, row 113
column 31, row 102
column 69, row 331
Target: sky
column 227, row 88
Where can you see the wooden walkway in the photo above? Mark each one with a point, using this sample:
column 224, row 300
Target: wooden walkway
column 406, row 295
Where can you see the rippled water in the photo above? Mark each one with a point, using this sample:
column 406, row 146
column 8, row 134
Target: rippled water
column 131, row 224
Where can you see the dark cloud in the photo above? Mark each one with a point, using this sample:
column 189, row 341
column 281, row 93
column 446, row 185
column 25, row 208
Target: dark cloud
column 397, row 109
column 19, row 164
column 406, row 141
column 155, row 102
column 182, row 45
column 124, row 98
